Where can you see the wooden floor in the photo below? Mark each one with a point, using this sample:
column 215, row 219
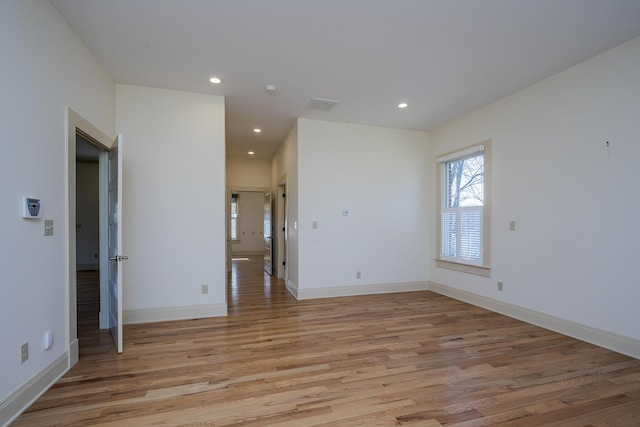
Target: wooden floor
column 410, row 359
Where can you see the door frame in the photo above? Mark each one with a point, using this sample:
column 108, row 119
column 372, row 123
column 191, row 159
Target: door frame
column 281, row 271
column 75, row 124
column 268, row 203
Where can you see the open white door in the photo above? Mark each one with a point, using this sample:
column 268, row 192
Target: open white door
column 267, row 233
column 115, row 242
column 228, row 233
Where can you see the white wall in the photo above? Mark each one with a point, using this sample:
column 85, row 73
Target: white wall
column 45, row 68
column 285, row 166
column 574, row 252
column 251, row 224
column 174, row 203
column 381, row 176
column 248, row 173
column 87, row 214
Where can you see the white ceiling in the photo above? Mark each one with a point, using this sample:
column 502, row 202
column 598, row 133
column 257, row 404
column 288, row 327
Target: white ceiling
column 444, row 58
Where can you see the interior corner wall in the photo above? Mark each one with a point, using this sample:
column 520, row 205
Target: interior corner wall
column 45, row 69
column 174, row 203
column 565, row 154
column 363, row 200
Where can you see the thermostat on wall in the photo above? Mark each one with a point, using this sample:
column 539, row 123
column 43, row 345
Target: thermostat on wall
column 30, row 207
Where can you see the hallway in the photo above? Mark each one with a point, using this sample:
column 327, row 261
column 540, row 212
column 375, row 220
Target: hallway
column 250, row 288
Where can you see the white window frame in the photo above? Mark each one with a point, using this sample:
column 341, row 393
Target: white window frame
column 481, row 266
column 235, row 222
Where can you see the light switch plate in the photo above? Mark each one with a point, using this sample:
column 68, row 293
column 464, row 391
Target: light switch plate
column 48, row 227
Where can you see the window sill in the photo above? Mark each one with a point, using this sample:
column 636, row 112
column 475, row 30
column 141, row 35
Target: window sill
column 464, row 268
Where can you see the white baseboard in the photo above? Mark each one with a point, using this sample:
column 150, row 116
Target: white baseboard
column 29, row 392
column 344, row 291
column 292, row 288
column 74, row 353
column 610, row 340
column 148, row 315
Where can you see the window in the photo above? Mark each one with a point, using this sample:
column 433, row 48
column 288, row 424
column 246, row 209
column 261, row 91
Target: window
column 462, row 210
column 234, row 217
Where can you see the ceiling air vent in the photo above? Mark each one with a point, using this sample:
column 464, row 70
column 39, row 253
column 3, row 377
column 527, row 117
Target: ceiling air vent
column 320, row 104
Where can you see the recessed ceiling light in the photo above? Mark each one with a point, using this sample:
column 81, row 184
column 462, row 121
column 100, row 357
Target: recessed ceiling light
column 257, row 130
column 251, row 153
column 403, row 105
column 215, row 80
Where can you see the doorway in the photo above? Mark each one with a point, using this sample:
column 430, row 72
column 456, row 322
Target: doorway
column 77, row 125
column 249, row 231
column 88, row 286
column 247, row 218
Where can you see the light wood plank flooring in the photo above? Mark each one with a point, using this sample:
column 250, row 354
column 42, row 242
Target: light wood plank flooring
column 90, row 336
column 410, row 359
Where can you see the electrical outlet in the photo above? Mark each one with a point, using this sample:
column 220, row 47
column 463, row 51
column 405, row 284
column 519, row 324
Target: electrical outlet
column 25, row 352
column 500, row 286
column 48, row 340
column 358, row 275
column 512, row 225
column 205, row 289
